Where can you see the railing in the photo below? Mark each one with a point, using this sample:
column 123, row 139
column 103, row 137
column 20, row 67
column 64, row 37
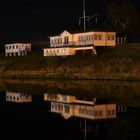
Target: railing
column 76, row 43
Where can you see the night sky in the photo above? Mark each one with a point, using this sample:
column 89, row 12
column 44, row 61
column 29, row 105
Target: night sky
column 32, row 19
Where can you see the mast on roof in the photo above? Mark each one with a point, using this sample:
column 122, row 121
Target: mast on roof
column 84, row 14
column 84, row 17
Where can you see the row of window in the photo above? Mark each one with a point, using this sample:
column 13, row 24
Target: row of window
column 52, row 51
column 95, row 113
column 11, row 47
column 12, row 98
column 83, row 38
column 59, row 107
column 56, row 41
column 95, row 37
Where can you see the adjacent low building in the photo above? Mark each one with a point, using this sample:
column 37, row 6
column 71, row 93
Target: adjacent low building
column 17, row 49
column 18, row 97
column 67, row 51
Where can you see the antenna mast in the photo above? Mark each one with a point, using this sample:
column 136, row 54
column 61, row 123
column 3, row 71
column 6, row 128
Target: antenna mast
column 84, row 15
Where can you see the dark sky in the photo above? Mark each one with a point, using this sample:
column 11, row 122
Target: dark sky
column 30, row 19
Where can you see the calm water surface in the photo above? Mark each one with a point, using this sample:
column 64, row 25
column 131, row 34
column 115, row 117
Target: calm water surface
column 68, row 110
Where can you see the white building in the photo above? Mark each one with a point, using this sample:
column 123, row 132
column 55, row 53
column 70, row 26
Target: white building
column 84, row 38
column 18, row 97
column 65, row 51
column 17, row 49
column 68, row 43
column 69, row 106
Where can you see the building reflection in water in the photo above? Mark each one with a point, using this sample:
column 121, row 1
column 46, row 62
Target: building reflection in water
column 70, row 106
column 18, row 97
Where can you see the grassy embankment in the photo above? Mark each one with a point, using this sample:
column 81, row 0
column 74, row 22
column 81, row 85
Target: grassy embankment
column 119, row 63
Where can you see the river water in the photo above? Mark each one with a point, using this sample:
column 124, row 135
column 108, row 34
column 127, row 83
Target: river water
column 67, row 110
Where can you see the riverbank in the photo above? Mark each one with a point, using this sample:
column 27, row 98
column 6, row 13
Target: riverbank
column 119, row 63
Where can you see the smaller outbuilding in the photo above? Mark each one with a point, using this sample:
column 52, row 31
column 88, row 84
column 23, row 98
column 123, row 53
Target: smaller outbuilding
column 17, row 49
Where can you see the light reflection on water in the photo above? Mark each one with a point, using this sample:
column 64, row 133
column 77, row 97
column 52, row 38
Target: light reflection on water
column 69, row 110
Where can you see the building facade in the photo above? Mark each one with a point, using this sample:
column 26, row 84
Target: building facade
column 66, row 51
column 68, row 43
column 18, row 97
column 17, row 49
column 94, row 38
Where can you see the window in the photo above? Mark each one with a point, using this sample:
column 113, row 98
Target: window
column 59, row 40
column 108, row 37
column 95, row 37
column 87, row 37
column 52, row 105
column 17, row 46
column 79, row 38
column 67, row 109
column 91, row 37
column 112, row 37
column 113, row 112
column 100, row 113
column 51, row 41
column 65, row 97
column 100, row 37
column 109, row 112
column 66, row 39
column 96, row 113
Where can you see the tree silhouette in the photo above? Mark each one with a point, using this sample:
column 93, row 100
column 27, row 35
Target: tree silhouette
column 123, row 18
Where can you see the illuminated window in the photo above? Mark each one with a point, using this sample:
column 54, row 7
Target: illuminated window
column 65, row 97
column 109, row 112
column 95, row 37
column 87, row 37
column 100, row 37
column 52, row 105
column 112, row 37
column 108, row 37
column 100, row 113
column 96, row 113
column 113, row 112
column 66, row 39
column 67, row 108
column 91, row 37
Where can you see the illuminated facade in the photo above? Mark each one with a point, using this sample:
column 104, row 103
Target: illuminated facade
column 85, row 38
column 17, row 49
column 70, row 43
column 66, row 51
